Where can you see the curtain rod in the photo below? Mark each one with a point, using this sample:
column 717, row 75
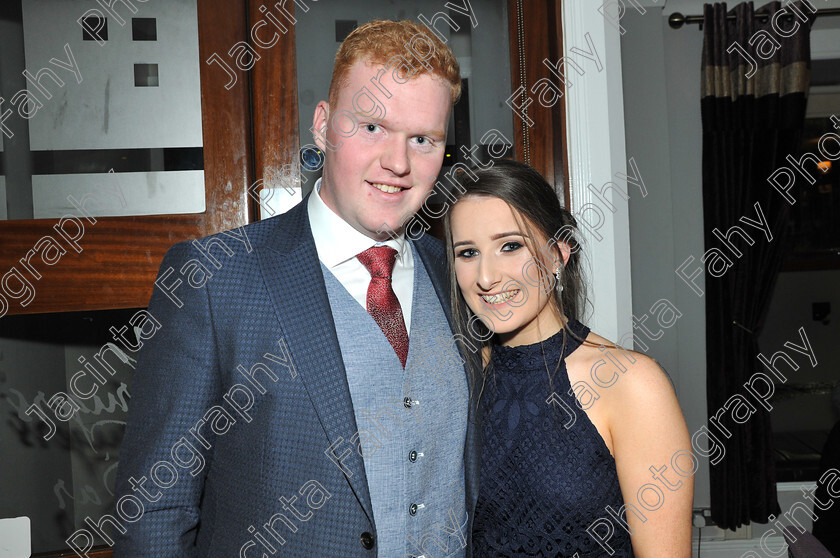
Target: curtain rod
column 677, row 20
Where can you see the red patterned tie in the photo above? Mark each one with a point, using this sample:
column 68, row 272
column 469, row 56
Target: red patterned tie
column 382, row 303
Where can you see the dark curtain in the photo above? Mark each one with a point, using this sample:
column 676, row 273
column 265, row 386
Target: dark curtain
column 749, row 126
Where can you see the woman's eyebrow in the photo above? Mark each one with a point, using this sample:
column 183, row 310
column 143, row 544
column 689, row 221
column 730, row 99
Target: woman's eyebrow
column 504, row 234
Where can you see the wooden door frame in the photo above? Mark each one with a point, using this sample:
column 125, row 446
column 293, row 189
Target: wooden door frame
column 536, row 35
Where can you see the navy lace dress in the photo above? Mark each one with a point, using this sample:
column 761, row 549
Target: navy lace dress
column 542, row 485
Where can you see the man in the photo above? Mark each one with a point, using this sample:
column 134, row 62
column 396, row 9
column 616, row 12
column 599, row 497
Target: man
column 303, row 399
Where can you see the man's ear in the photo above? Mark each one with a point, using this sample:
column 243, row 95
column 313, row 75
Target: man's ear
column 319, row 124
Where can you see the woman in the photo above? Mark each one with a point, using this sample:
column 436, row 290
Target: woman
column 574, row 427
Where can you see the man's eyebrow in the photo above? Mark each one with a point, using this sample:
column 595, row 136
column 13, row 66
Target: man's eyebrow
column 365, row 116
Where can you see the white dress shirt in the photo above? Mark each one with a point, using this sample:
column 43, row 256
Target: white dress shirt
column 338, row 244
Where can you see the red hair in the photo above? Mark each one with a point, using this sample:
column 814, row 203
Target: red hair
column 379, row 41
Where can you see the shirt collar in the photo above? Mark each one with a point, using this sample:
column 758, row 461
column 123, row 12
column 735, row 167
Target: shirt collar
column 335, row 240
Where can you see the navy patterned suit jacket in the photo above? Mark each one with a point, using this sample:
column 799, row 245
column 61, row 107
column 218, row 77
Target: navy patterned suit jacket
column 237, row 401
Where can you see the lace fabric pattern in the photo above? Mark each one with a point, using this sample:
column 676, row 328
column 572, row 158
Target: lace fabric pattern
column 542, row 484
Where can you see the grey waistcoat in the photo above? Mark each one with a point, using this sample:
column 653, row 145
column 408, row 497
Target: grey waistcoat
column 411, row 423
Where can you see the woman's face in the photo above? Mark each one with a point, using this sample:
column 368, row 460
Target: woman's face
column 498, row 275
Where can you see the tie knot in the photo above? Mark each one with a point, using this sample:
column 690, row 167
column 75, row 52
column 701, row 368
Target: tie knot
column 379, row 261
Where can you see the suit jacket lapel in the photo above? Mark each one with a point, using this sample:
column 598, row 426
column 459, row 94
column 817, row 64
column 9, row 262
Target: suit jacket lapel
column 292, row 272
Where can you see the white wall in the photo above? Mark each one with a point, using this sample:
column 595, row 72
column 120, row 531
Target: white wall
column 662, row 108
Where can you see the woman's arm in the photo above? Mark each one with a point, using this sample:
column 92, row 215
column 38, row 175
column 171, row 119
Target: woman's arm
column 653, row 456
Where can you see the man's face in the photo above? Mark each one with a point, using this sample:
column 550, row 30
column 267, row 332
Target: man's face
column 387, row 164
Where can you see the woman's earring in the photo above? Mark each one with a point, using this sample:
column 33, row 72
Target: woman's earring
column 558, row 284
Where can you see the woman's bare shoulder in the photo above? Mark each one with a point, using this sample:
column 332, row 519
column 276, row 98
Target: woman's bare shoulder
column 600, row 361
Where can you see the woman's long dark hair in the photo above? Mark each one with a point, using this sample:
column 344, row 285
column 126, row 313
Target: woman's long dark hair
column 537, row 209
